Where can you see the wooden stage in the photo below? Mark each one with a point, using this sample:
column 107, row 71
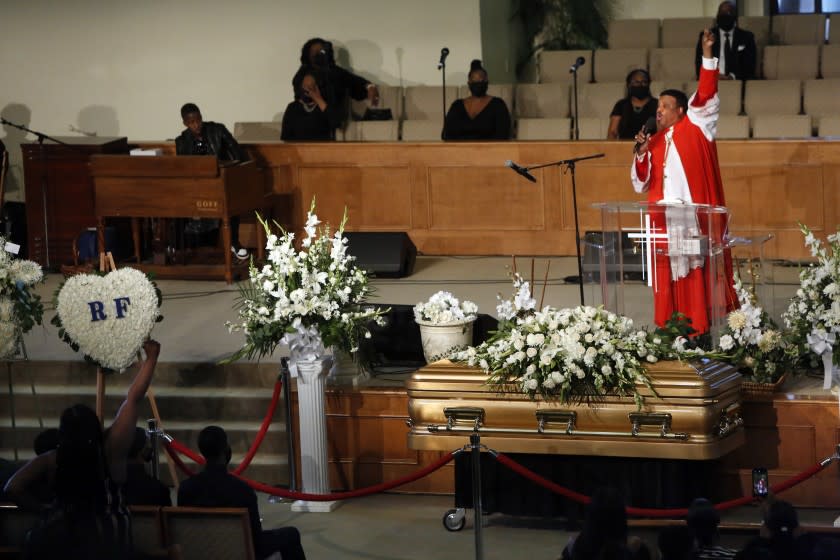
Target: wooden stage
column 461, row 199
column 787, row 432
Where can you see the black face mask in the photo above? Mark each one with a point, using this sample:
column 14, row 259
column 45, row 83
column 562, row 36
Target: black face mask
column 726, row 22
column 305, row 99
column 478, row 89
column 640, row 92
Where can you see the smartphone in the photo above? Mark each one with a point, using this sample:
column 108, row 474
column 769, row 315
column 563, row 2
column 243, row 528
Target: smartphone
column 760, row 482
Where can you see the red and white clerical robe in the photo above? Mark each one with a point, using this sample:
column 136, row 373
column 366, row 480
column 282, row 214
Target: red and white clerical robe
column 681, row 166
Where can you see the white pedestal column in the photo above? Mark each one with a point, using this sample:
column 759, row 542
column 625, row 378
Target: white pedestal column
column 312, row 419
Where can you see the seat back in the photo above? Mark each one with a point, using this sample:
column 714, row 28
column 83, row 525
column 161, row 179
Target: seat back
column 426, row 102
column 830, row 60
column 633, row 33
column 797, row 29
column 598, row 100
column 260, row 131
column 781, row 126
column 14, row 523
column 672, row 64
column 205, row 533
column 372, row 131
column 613, row 65
column 772, row 97
column 593, row 128
column 759, row 26
column 543, row 129
column 829, row 126
column 147, row 529
column 422, row 130
column 553, row 66
column 683, row 32
column 821, row 97
column 730, row 127
column 791, row 62
column 542, row 101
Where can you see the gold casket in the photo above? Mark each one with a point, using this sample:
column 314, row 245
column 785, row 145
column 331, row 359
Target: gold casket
column 695, row 414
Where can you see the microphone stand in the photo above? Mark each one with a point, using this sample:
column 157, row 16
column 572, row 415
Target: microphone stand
column 570, row 166
column 442, row 68
column 42, row 156
column 577, row 115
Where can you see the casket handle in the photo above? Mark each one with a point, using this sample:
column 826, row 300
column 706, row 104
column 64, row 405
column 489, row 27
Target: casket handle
column 568, row 417
column 455, row 414
column 661, row 419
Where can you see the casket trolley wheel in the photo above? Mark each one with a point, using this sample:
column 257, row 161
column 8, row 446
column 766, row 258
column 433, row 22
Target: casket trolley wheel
column 455, row 519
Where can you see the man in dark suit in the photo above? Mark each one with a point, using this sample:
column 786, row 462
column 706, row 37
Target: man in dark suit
column 734, row 47
column 216, row 487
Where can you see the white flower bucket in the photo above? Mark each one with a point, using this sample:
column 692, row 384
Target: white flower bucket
column 439, row 339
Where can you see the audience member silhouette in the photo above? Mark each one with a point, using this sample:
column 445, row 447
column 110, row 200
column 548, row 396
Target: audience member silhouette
column 675, row 543
column 703, row 520
column 141, row 488
column 88, row 518
column 214, row 486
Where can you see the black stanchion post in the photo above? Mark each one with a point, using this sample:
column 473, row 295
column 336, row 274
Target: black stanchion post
column 153, row 435
column 478, row 507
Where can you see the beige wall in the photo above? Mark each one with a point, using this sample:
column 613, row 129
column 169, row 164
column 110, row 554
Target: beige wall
column 124, row 67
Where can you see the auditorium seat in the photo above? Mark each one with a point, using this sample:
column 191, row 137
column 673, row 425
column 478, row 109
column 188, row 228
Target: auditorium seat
column 543, row 129
column 772, row 97
column 799, row 29
column 781, row 126
column 205, row 533
column 821, row 99
column 673, row 64
column 598, row 100
column 422, row 130
column 683, row 32
column 593, row 128
column 791, row 62
column 633, row 33
column 729, row 92
column 554, row 66
column 732, row 127
column 657, row 86
column 542, row 101
column 261, row 131
column 390, row 97
column 372, row 131
column 830, row 62
column 829, row 126
column 426, row 102
column 759, row 26
column 505, row 91
column 613, row 65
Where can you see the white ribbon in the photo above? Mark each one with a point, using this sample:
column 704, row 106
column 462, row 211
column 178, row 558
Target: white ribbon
column 822, row 343
column 305, row 344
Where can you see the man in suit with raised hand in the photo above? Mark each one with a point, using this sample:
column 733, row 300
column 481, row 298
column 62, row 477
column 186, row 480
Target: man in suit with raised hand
column 734, row 47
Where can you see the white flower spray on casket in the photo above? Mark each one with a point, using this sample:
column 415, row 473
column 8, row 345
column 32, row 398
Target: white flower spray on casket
column 571, row 355
column 311, row 298
column 20, row 307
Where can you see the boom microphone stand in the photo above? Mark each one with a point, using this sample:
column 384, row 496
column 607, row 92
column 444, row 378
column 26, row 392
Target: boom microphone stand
column 43, row 157
column 570, row 165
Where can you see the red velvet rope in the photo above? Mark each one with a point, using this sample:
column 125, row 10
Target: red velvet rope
column 275, row 398
column 173, row 447
column 652, row 512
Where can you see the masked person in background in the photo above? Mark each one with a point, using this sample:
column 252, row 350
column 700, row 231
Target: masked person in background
column 333, row 82
column 479, row 116
column 309, row 117
column 734, row 47
column 632, row 112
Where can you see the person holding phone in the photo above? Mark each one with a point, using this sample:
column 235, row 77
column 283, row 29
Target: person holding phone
column 310, row 117
column 703, row 520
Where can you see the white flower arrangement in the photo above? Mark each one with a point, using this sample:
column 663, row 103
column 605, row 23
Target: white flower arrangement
column 567, row 354
column 20, row 307
column 813, row 315
column 107, row 317
column 309, row 299
column 443, row 308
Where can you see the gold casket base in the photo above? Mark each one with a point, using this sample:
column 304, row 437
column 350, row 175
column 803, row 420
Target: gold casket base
column 695, row 414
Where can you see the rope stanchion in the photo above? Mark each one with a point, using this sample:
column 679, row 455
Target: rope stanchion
column 275, row 398
column 655, row 512
column 173, row 447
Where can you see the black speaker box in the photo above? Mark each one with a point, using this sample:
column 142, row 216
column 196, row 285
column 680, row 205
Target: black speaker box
column 384, row 254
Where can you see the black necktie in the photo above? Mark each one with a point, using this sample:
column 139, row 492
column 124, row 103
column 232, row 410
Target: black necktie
column 727, row 54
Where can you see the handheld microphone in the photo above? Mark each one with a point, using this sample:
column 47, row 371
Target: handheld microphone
column 521, row 170
column 444, row 52
column 578, row 63
column 648, row 127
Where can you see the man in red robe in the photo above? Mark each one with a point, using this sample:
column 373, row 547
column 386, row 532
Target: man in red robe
column 679, row 165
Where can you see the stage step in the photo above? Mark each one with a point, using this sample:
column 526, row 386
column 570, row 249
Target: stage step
column 189, row 396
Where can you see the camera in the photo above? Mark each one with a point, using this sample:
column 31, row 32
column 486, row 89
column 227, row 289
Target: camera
column 760, row 482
